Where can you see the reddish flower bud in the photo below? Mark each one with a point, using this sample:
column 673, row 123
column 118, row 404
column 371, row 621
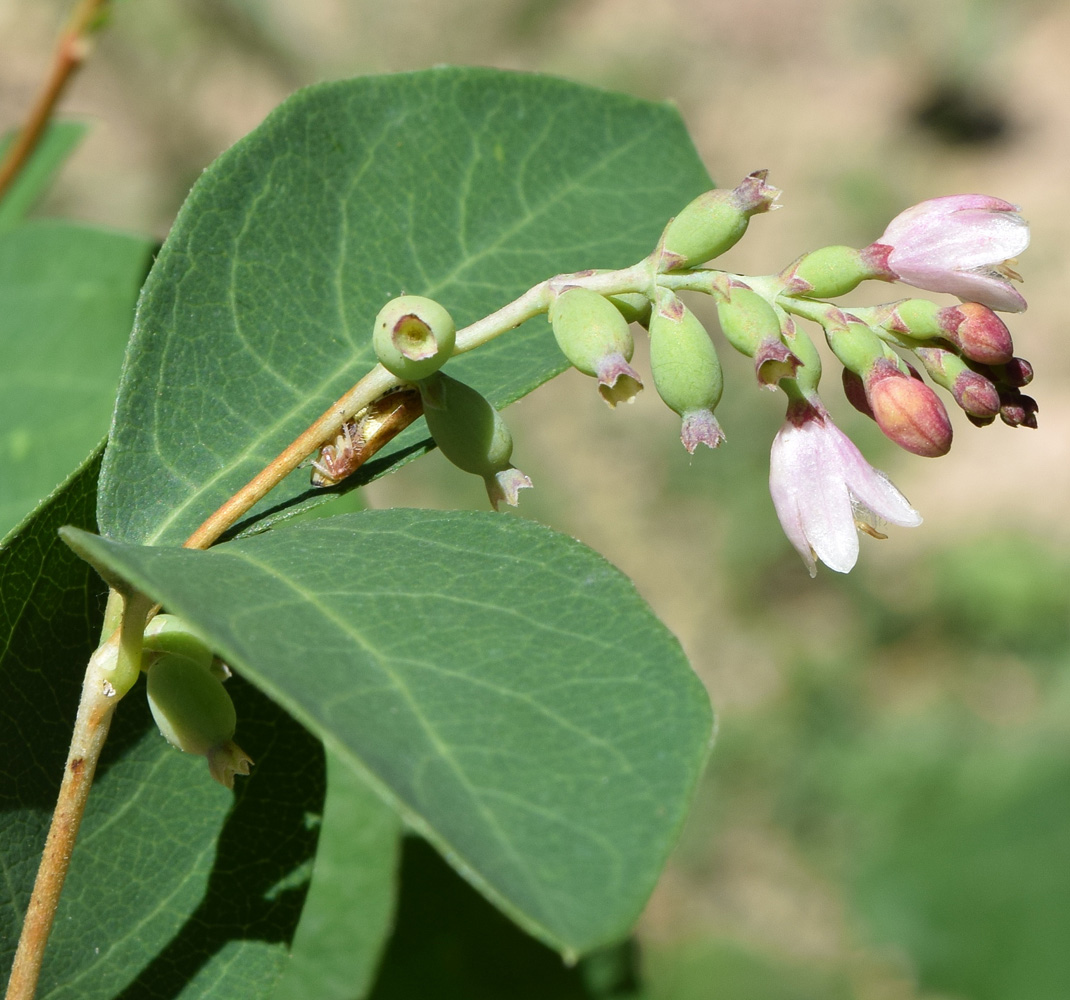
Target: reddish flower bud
column 978, row 332
column 1017, row 409
column 908, row 411
column 976, row 394
column 1016, row 372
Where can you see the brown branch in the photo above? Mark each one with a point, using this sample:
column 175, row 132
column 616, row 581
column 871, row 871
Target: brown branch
column 71, row 50
column 111, row 672
column 365, row 392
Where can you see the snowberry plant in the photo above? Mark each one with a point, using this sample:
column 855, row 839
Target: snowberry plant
column 380, row 268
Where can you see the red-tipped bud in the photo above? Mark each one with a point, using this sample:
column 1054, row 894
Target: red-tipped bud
column 976, row 394
column 978, row 332
column 908, row 411
column 1017, row 409
column 1017, row 372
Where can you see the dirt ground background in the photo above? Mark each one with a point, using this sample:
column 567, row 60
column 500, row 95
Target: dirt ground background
column 858, row 109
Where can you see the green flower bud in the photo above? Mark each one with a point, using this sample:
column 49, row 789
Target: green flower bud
column 751, row 325
column 195, row 714
column 413, row 337
column 473, row 436
column 169, row 634
column 714, row 222
column 687, row 371
column 828, row 272
column 595, row 338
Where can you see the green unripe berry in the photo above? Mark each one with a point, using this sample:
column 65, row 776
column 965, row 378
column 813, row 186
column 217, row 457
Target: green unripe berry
column 747, row 320
column 588, row 327
column 828, row 272
column 169, row 634
column 472, row 435
column 714, row 222
column 633, row 306
column 195, row 714
column 595, row 338
column 413, row 337
column 466, row 428
column 684, row 362
column 191, row 707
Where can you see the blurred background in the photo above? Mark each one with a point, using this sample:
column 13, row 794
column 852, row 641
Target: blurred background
column 886, row 815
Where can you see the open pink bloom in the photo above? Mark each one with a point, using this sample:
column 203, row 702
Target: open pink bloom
column 959, row 244
column 822, row 487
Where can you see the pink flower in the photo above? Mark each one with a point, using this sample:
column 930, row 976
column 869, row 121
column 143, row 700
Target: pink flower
column 960, row 244
column 823, row 488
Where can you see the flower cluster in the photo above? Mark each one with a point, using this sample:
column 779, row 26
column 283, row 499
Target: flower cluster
column 823, row 490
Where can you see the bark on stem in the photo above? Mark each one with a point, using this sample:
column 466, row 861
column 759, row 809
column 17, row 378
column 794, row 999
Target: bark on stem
column 71, row 50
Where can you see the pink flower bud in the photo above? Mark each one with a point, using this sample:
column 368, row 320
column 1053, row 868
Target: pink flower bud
column 978, row 332
column 908, row 411
column 1017, row 409
column 1016, row 372
column 962, row 244
column 976, row 395
column 973, row 390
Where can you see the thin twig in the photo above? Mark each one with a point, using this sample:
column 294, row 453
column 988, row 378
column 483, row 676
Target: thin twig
column 111, row 672
column 71, row 50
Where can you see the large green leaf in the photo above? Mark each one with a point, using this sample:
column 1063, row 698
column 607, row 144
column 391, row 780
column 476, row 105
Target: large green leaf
column 450, row 944
column 55, row 145
column 347, row 915
column 502, row 684
column 67, row 296
column 467, row 185
column 177, row 888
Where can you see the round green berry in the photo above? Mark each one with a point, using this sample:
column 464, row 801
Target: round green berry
column 413, row 337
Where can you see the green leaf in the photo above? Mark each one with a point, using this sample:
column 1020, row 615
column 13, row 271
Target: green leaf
column 177, row 888
column 67, row 296
column 57, row 143
column 465, row 185
column 347, row 915
column 501, row 684
column 450, row 944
